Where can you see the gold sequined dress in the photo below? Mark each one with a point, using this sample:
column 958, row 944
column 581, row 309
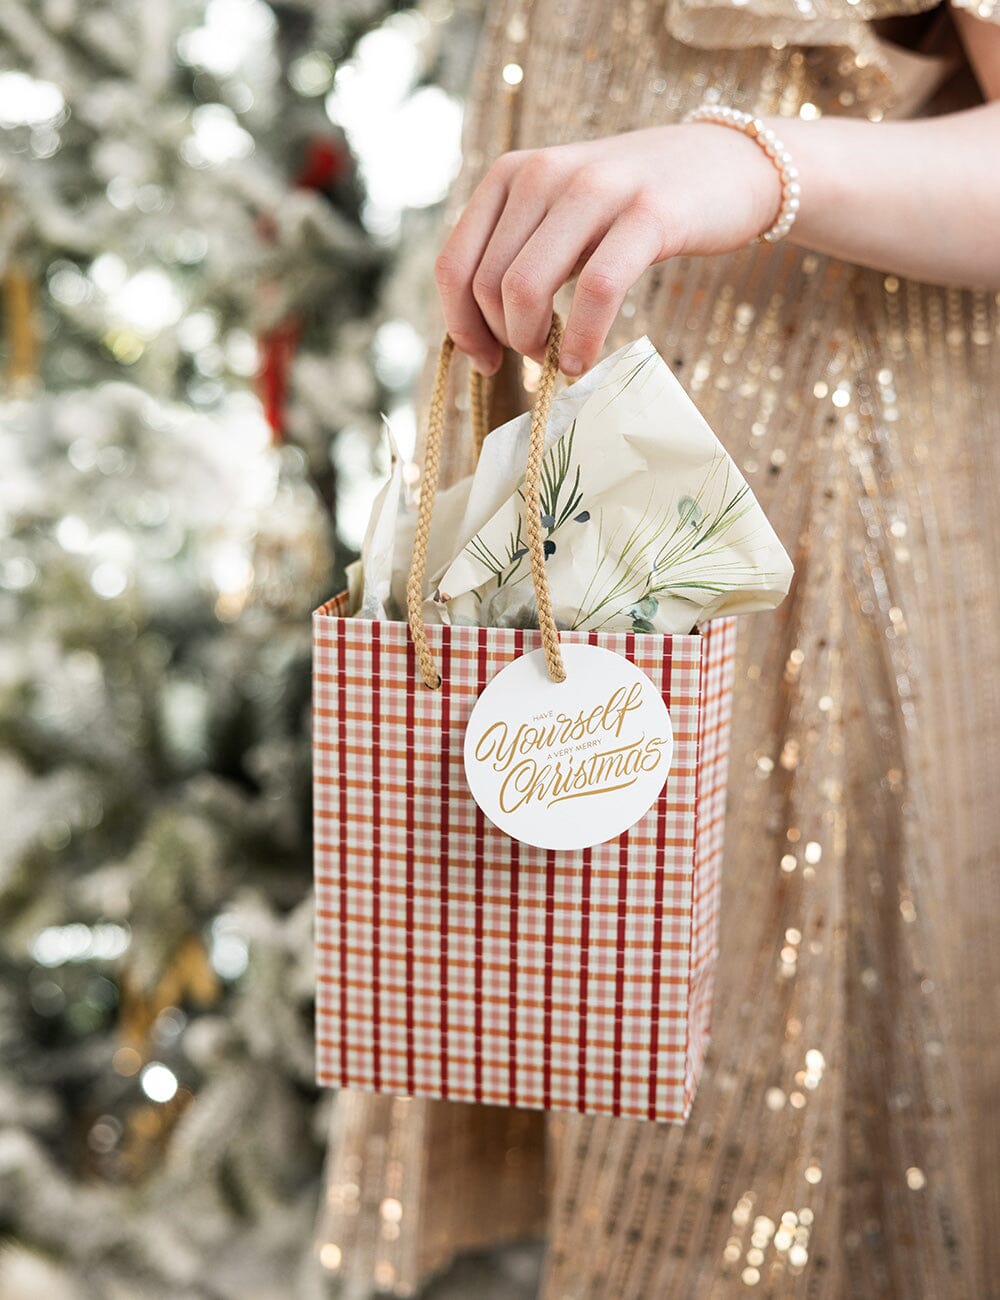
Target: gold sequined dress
column 845, row 1138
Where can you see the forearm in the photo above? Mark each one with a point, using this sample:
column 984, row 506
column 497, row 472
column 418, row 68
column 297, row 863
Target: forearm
column 918, row 198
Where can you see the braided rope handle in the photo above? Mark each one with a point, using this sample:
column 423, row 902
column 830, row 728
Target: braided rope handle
column 478, row 390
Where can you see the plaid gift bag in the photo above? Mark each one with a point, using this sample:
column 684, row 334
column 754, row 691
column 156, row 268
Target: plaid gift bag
column 454, row 961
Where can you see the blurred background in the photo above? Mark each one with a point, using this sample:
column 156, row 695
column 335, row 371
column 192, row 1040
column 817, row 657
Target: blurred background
column 217, row 225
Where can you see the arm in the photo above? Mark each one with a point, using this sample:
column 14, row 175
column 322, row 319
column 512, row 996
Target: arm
column 917, row 198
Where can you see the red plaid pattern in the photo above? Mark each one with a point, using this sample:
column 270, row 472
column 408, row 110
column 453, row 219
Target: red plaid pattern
column 453, row 961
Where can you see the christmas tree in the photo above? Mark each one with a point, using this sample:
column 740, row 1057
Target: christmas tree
column 199, row 252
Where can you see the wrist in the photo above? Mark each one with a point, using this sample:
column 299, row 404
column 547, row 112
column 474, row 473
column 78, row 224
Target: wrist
column 825, row 172
column 778, row 191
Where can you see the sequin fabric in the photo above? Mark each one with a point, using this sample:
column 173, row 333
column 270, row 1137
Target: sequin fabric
column 844, row 1139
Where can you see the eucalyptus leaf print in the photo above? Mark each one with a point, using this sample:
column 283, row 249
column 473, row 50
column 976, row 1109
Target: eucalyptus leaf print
column 643, row 613
column 689, row 511
column 505, row 566
column 685, row 549
column 648, row 525
column 560, row 494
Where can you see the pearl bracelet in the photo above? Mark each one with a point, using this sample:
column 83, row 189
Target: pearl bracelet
column 775, row 150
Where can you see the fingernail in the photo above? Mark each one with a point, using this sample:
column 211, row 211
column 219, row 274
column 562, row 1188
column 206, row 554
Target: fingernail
column 483, row 366
column 571, row 365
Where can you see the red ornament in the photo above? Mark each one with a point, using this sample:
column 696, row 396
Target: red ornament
column 277, row 350
column 327, row 160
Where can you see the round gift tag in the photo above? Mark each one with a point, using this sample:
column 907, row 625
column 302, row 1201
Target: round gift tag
column 564, row 765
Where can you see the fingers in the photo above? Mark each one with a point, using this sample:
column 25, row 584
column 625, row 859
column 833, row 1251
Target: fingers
column 457, row 262
column 566, row 237
column 534, row 221
column 635, row 241
column 532, row 192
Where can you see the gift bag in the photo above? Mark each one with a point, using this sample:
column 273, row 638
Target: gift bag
column 457, row 960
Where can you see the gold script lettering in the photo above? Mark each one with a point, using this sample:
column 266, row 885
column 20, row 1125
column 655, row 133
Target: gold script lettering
column 498, row 746
column 598, row 773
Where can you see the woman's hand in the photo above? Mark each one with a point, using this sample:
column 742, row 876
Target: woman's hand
column 603, row 211
column 917, row 198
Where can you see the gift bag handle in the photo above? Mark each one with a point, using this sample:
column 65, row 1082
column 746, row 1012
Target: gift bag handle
column 532, row 501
